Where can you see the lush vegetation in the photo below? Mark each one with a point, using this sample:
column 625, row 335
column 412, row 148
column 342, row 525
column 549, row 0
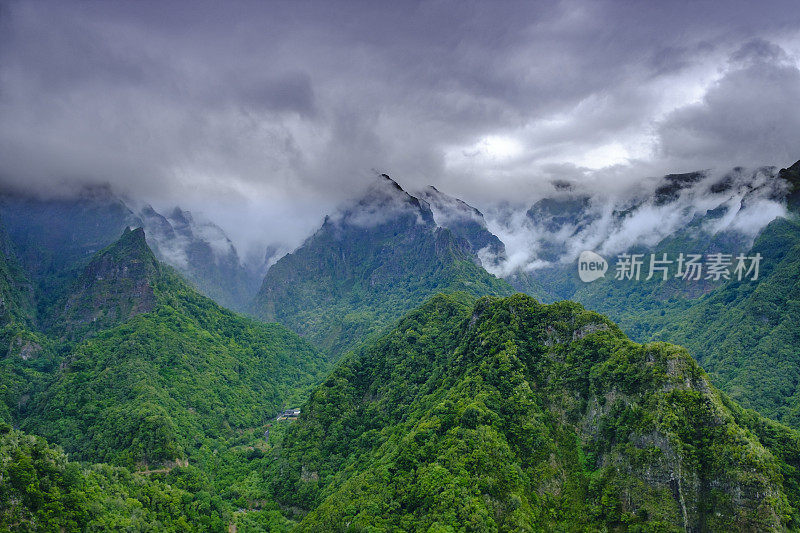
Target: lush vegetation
column 54, row 240
column 744, row 333
column 143, row 373
column 152, row 388
column 511, row 415
column 116, row 285
column 747, row 334
column 29, row 355
column 481, row 415
column 42, row 490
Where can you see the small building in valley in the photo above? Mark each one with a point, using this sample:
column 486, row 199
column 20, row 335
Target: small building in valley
column 289, row 414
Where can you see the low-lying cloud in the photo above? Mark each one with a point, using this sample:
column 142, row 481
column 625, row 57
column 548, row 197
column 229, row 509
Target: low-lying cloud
column 740, row 201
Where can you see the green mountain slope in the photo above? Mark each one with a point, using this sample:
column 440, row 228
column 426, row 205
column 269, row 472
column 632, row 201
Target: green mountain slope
column 747, row 333
column 175, row 371
column 26, row 356
column 515, row 416
column 55, row 239
column 367, row 266
column 744, row 333
column 17, row 303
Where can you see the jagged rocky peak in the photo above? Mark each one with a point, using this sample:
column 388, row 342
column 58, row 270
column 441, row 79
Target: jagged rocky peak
column 54, row 233
column 384, row 201
column 393, row 183
column 128, row 258
column 158, row 227
column 203, row 253
column 182, row 221
column 177, row 236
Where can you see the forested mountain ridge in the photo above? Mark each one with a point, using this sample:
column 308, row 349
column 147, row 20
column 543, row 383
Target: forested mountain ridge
column 742, row 331
column 54, row 239
column 366, row 266
column 513, row 415
column 168, row 369
column 17, row 302
column 142, row 372
column 501, row 414
column 43, row 491
column 25, row 354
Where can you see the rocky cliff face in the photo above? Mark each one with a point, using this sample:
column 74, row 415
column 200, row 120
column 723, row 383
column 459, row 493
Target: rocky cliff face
column 55, row 237
column 465, row 222
column 53, row 240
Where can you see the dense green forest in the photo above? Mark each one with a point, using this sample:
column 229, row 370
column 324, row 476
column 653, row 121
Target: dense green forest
column 746, row 334
column 511, row 415
column 42, row 490
column 135, row 369
column 743, row 332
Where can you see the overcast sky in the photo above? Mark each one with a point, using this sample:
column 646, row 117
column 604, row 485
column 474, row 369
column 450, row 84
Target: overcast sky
column 265, row 115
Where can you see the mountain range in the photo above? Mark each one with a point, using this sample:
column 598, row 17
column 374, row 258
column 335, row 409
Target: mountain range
column 431, row 396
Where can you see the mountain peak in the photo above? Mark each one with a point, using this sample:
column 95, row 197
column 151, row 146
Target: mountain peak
column 465, row 222
column 115, row 286
column 536, row 393
column 130, row 247
column 369, row 263
column 384, row 201
column 448, row 207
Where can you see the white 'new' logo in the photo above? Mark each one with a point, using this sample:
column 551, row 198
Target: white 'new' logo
column 591, row 266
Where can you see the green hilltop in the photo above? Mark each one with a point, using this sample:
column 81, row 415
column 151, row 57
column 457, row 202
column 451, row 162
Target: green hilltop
column 510, row 415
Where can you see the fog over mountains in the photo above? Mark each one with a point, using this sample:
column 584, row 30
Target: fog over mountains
column 313, row 266
column 572, row 218
column 505, row 239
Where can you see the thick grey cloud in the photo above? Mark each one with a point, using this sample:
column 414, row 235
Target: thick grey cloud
column 265, row 115
column 745, row 117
